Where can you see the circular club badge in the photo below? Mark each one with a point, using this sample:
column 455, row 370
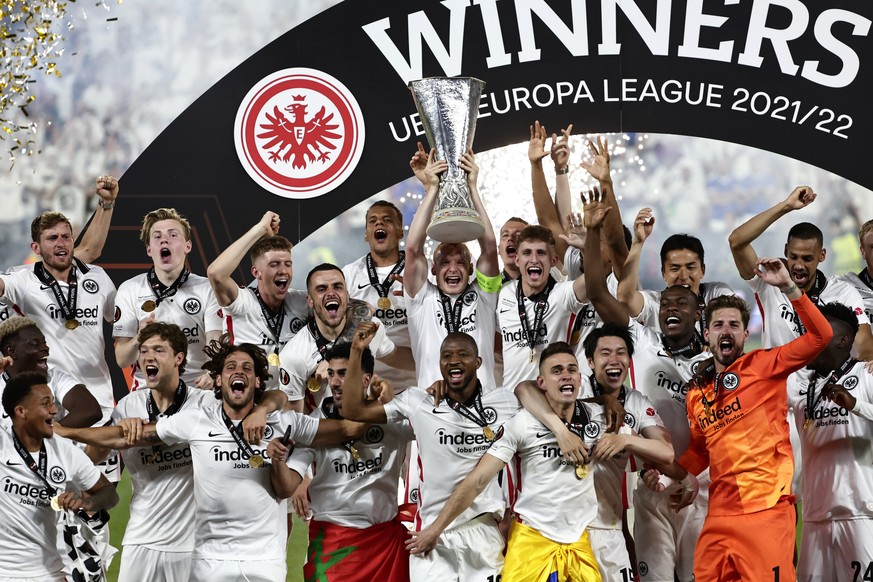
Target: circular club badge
column 299, row 133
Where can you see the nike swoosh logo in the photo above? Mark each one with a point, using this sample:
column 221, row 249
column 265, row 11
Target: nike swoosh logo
column 440, row 411
column 43, row 287
column 364, row 286
column 543, row 434
column 110, row 470
column 216, row 434
column 11, row 464
column 504, row 310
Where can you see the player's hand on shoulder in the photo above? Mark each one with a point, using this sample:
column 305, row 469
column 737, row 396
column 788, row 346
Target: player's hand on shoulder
column 381, row 390
column 609, row 445
column 254, row 425
column 5, row 362
column 204, row 382
column 438, row 390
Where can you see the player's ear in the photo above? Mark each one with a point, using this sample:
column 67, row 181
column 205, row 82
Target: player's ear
column 478, row 361
column 35, row 248
column 822, row 256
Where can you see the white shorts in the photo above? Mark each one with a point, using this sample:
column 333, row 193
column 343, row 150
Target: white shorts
column 111, row 467
column 836, row 550
column 142, row 564
column 59, row 577
column 209, row 570
column 664, row 539
column 470, row 552
column 610, row 550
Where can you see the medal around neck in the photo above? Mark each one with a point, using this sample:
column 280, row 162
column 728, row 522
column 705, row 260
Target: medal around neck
column 71, row 324
column 273, row 359
column 313, row 384
column 581, row 471
column 256, row 461
column 149, row 306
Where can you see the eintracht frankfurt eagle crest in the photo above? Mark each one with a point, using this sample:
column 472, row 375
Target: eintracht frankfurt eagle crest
column 299, row 133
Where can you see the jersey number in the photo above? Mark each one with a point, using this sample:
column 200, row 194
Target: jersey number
column 868, row 573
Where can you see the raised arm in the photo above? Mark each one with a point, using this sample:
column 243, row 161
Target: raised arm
column 741, row 239
column 487, row 264
column 629, row 279
column 427, row 168
column 464, row 494
column 90, row 247
column 220, row 271
column 82, row 408
column 545, row 208
column 354, row 405
column 613, row 230
column 563, row 198
column 604, row 303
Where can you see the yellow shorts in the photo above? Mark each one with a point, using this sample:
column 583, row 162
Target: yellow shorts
column 531, row 557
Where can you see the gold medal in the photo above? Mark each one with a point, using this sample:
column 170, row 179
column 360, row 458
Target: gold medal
column 581, row 471
column 71, row 324
column 256, row 461
column 149, row 306
column 273, row 359
column 384, row 303
column 488, row 432
column 313, row 384
column 355, row 454
column 55, row 503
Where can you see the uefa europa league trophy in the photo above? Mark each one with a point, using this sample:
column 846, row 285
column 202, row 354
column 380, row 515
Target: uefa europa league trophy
column 448, row 109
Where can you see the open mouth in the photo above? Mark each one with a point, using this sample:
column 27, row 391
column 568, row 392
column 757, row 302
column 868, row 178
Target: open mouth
column 800, row 277
column 455, row 374
column 42, row 364
column 281, row 283
column 165, row 252
column 613, row 374
column 725, row 346
column 511, row 250
column 151, row 372
column 380, row 234
column 50, row 422
column 567, row 389
column 672, row 321
column 238, row 385
column 453, row 279
column 535, row 272
column 332, row 306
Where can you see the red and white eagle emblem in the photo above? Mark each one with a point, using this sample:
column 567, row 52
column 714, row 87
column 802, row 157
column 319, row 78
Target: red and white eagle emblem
column 302, row 141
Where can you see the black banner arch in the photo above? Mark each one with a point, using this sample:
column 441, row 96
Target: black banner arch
column 787, row 76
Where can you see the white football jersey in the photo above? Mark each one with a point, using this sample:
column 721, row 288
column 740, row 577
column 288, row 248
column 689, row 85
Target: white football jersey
column 245, row 323
column 162, row 503
column 28, row 538
column 546, row 484
column 60, row 383
column 517, row 364
column 193, row 308
column 450, row 445
column 781, row 324
column 849, row 278
column 80, row 351
column 836, row 446
column 662, row 379
column 652, row 303
column 300, row 357
column 428, row 329
column 236, row 516
column 394, row 318
column 355, row 493
column 7, row 310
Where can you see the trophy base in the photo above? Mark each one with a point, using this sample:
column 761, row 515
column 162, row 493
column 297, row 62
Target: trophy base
column 455, row 225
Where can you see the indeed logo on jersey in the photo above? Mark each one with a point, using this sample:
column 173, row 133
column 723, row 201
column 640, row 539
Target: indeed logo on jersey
column 718, row 418
column 464, row 442
column 235, row 456
column 788, row 314
column 358, row 468
column 86, row 316
column 391, row 316
column 467, row 324
column 517, row 337
column 828, row 416
column 28, row 494
column 166, row 459
column 676, row 388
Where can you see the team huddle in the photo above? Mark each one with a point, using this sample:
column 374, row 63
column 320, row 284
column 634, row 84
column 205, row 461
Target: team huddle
column 433, row 419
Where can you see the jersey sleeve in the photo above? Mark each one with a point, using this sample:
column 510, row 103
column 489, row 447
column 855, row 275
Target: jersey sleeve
column 178, row 428
column 509, row 438
column 15, row 284
column 111, row 294
column 303, row 427
column 126, row 324
column 696, row 457
column 84, row 473
column 651, row 304
column 241, row 304
column 301, row 460
column 403, row 405
column 381, row 345
column 212, row 319
column 646, row 411
column 293, row 372
column 567, row 296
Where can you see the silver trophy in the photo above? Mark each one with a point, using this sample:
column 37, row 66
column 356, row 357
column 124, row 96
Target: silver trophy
column 448, row 109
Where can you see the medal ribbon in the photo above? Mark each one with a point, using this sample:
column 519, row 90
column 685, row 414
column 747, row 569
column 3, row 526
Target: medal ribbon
column 541, row 300
column 321, row 342
column 452, row 313
column 701, row 305
column 160, row 290
column 479, row 416
column 811, row 399
column 38, row 470
column 153, row 412
column 67, row 304
column 598, row 390
column 384, row 287
column 814, row 292
column 236, row 433
column 579, row 420
column 274, row 321
column 692, row 348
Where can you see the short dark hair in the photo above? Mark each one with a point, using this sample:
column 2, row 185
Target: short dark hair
column 535, row 232
column 320, row 268
column 806, row 231
column 554, row 349
column 459, row 335
column 269, row 243
column 843, row 314
column 218, row 350
column 18, row 388
column 386, row 204
column 688, row 290
column 727, row 302
column 608, row 330
column 170, row 333
column 46, row 220
column 681, row 242
column 343, row 351
column 516, row 219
